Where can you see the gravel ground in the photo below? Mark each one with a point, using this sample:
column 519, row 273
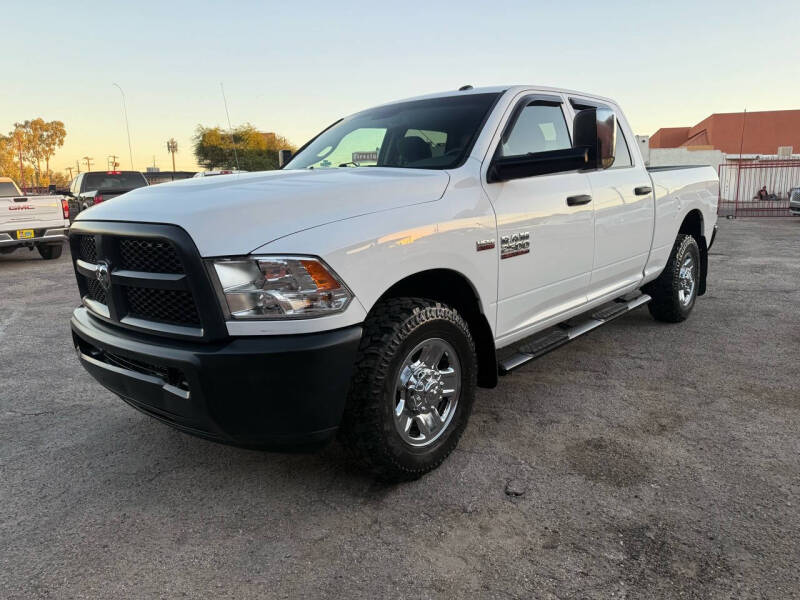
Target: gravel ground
column 642, row 461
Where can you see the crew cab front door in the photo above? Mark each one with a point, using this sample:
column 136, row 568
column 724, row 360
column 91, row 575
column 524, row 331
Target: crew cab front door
column 545, row 223
column 624, row 214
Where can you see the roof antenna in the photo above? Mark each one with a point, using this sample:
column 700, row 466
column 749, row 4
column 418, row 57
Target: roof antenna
column 464, row 88
column 230, row 128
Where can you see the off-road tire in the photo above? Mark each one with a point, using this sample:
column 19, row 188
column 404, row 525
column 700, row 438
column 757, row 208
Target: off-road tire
column 666, row 305
column 393, row 329
column 50, row 251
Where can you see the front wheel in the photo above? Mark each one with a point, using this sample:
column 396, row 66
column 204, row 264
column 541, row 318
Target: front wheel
column 412, row 390
column 675, row 290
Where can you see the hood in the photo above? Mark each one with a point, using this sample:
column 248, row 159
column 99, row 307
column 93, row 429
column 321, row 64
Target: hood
column 235, row 214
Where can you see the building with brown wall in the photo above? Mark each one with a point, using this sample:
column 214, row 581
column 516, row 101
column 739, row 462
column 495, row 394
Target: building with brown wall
column 764, row 133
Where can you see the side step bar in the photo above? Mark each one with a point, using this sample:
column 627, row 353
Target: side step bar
column 565, row 333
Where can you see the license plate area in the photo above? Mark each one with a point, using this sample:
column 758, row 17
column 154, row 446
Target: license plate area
column 25, row 234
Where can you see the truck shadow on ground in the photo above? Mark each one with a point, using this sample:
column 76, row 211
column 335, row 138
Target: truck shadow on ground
column 141, row 451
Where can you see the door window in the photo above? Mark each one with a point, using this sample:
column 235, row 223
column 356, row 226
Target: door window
column 539, row 128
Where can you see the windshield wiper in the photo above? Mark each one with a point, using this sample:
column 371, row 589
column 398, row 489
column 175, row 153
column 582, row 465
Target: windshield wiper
column 350, row 162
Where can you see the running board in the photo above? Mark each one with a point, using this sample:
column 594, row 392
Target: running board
column 564, row 333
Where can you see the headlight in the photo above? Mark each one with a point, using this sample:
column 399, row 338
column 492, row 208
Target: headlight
column 276, row 287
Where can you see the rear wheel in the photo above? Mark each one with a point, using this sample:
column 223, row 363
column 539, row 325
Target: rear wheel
column 675, row 290
column 50, row 251
column 413, row 388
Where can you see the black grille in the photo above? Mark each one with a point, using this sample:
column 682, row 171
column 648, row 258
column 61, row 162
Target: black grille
column 96, row 291
column 169, row 306
column 149, row 256
column 169, row 294
column 86, row 249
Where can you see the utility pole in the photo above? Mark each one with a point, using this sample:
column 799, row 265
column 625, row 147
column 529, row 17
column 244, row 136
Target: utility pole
column 739, row 166
column 88, row 160
column 77, row 166
column 69, row 170
column 172, row 148
column 112, row 162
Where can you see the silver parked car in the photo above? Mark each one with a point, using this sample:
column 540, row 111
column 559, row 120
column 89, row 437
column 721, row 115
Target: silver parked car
column 794, row 201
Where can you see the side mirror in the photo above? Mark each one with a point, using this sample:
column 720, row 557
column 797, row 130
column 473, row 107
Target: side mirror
column 507, row 168
column 284, row 156
column 596, row 129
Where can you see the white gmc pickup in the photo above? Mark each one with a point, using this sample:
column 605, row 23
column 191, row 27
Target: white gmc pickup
column 39, row 222
column 404, row 256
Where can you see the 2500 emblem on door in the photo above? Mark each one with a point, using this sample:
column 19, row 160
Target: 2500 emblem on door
column 515, row 244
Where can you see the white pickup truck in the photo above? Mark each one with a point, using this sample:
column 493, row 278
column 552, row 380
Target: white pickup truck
column 404, row 256
column 39, row 222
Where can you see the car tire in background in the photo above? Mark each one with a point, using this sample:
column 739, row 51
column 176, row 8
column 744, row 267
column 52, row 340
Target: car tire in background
column 412, row 390
column 50, row 251
column 674, row 291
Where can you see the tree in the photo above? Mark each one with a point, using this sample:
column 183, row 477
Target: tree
column 8, row 166
column 52, row 137
column 36, row 140
column 29, row 134
column 255, row 150
column 60, row 180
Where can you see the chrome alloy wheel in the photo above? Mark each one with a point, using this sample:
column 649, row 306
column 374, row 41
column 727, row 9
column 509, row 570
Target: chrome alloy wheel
column 686, row 281
column 426, row 392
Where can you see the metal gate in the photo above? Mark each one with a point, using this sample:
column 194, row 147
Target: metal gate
column 741, row 182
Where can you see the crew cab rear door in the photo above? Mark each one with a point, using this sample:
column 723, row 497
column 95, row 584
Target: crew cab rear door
column 546, row 240
column 624, row 212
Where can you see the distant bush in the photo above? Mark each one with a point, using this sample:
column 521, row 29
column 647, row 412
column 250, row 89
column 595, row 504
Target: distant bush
column 256, row 150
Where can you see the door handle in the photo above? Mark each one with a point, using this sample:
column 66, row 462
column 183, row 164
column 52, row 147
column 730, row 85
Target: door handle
column 642, row 190
column 578, row 200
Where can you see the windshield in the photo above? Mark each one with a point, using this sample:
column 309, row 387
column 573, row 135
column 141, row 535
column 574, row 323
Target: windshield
column 118, row 181
column 8, row 189
column 422, row 134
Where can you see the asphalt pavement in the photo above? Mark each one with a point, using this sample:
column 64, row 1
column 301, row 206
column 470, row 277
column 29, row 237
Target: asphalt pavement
column 642, row 461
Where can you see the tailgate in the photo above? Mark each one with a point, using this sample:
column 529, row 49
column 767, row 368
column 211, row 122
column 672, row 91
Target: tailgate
column 30, row 209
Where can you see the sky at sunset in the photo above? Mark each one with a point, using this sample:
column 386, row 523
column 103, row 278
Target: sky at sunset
column 293, row 68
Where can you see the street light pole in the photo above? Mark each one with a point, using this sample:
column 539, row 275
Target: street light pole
column 127, row 127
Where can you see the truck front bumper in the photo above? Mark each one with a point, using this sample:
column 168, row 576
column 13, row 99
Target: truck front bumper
column 274, row 392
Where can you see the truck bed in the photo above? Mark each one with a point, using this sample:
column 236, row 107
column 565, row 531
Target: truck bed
column 675, row 168
column 674, row 188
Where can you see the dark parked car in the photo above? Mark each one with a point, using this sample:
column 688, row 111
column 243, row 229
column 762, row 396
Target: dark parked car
column 94, row 187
